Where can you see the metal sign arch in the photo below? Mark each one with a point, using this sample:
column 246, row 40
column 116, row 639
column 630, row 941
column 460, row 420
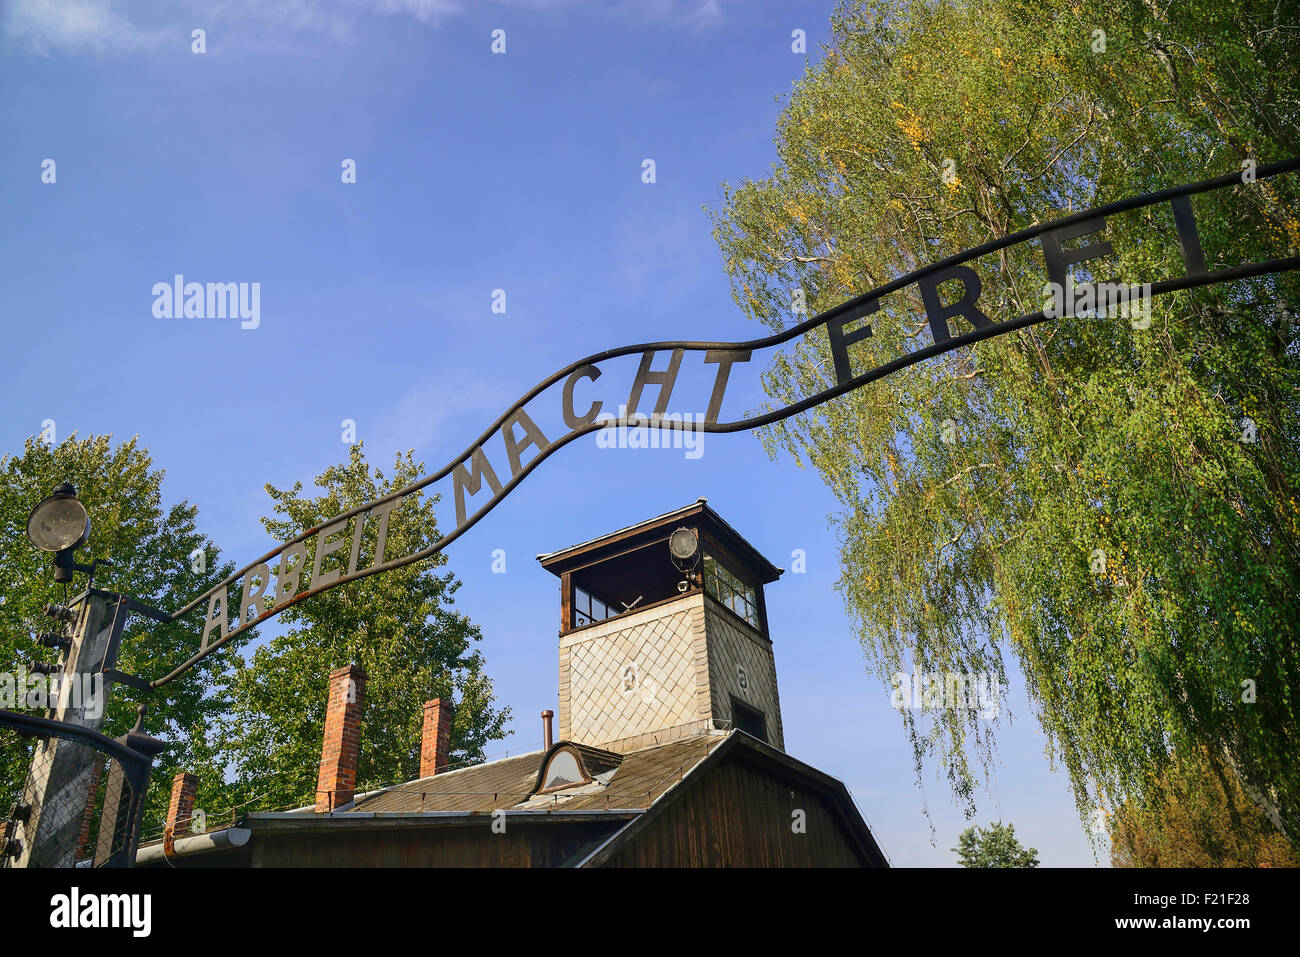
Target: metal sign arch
column 470, row 470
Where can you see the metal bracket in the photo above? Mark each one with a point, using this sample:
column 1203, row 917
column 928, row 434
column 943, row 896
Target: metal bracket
column 148, row 610
column 135, row 681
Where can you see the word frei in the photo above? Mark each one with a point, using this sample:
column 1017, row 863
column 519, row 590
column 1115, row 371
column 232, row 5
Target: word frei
column 179, row 299
column 26, row 691
column 75, row 910
column 354, row 544
column 934, row 690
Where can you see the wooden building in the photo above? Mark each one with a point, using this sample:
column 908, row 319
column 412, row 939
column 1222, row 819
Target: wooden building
column 671, row 749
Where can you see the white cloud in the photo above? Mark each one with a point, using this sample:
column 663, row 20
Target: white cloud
column 426, row 11
column 690, row 14
column 685, row 14
column 96, row 26
column 102, row 27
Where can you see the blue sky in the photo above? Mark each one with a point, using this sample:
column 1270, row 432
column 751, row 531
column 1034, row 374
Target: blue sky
column 475, row 171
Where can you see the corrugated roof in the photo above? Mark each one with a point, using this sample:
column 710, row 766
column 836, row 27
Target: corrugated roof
column 641, row 778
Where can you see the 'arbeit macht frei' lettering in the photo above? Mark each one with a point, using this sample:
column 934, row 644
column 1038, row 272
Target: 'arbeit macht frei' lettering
column 522, row 436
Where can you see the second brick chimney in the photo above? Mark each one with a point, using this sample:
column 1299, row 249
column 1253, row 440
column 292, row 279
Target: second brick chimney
column 185, row 787
column 435, row 744
column 337, row 781
column 84, row 848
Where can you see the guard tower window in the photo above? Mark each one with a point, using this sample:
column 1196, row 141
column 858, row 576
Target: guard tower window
column 727, row 588
column 588, row 609
column 749, row 720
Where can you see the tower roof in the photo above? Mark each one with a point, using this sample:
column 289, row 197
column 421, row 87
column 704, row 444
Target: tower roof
column 697, row 514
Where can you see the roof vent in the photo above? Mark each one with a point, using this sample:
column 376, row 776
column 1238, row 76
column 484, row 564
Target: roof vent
column 569, row 765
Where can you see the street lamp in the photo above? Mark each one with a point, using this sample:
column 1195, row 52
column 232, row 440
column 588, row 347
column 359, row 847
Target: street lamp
column 88, row 636
column 60, row 524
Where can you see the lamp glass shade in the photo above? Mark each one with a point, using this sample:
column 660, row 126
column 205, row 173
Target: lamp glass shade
column 683, row 543
column 58, row 523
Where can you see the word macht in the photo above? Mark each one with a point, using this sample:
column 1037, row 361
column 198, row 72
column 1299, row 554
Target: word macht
column 179, row 299
column 75, row 910
column 933, row 690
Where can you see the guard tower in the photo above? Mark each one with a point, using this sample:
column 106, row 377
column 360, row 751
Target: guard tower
column 663, row 634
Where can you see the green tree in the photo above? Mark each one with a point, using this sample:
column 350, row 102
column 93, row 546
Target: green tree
column 153, row 549
column 1198, row 816
column 399, row 626
column 995, row 846
column 1099, row 519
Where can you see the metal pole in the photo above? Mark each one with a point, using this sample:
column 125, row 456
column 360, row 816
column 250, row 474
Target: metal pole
column 60, row 779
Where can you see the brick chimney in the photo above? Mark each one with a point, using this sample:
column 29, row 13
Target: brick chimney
column 435, row 745
column 336, row 784
column 84, row 849
column 185, row 787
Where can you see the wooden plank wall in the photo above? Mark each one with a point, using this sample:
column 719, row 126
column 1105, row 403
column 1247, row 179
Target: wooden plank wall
column 740, row 816
column 523, row 845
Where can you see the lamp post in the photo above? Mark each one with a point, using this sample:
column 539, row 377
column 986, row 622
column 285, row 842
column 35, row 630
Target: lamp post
column 88, row 632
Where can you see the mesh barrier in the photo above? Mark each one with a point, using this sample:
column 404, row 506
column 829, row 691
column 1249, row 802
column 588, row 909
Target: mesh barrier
column 77, row 801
